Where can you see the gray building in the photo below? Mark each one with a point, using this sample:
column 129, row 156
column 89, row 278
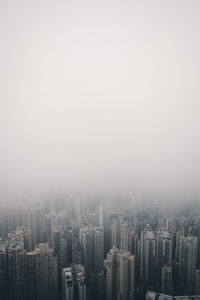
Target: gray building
column 187, row 264
column 197, row 282
column 46, row 273
column 73, row 283
column 166, row 279
column 148, row 256
column 92, row 245
column 157, row 296
column 120, row 275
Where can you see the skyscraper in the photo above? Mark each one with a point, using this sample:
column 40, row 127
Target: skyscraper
column 34, row 221
column 118, row 232
column 98, row 249
column 68, row 284
column 16, row 269
column 91, row 239
column 187, row 264
column 197, row 282
column 3, row 270
column 46, row 273
column 31, row 275
column 73, row 283
column 120, row 275
column 80, row 285
column 163, row 250
column 106, row 224
column 123, row 235
column 111, row 268
column 166, row 280
column 148, row 256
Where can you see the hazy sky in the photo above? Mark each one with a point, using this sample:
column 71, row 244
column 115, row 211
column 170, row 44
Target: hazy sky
column 100, row 94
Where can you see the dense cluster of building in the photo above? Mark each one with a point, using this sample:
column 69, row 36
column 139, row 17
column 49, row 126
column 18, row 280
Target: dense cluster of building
column 76, row 250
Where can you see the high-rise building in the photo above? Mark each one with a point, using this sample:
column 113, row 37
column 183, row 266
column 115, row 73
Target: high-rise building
column 16, row 269
column 106, row 224
column 197, row 282
column 118, row 232
column 100, row 211
column 111, row 270
column 187, row 264
column 61, row 243
column 91, row 239
column 166, row 280
column 98, row 286
column 3, row 271
column 134, row 248
column 120, row 275
column 21, row 234
column 150, row 295
column 47, row 228
column 98, row 249
column 148, row 256
column 68, row 284
column 114, row 232
column 80, row 285
column 172, row 226
column 34, row 221
column 163, row 250
column 64, row 255
column 46, row 273
column 56, row 243
column 73, row 283
column 76, row 253
column 31, row 275
column 125, row 262
column 66, row 239
column 123, row 235
column 87, row 244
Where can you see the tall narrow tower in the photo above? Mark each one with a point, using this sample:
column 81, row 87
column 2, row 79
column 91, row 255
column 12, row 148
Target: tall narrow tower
column 92, row 241
column 148, row 256
column 120, row 275
column 68, row 284
column 46, row 273
column 187, row 263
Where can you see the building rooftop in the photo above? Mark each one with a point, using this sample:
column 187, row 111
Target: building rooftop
column 157, row 296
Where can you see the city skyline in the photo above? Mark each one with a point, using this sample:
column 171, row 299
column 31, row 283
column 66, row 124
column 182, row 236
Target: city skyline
column 63, row 249
column 99, row 150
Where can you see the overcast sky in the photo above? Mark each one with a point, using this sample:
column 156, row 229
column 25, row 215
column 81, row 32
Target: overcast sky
column 99, row 95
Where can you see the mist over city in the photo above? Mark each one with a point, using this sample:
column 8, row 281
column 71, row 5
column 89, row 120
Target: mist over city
column 99, row 150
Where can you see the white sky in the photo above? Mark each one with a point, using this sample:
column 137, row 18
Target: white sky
column 100, row 95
